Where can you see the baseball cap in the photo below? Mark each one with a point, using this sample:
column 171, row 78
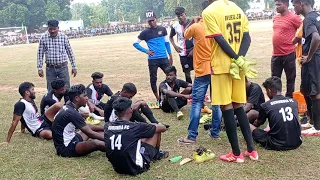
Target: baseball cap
column 150, row 16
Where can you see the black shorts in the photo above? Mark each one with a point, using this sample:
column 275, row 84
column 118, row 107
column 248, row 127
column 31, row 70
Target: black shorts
column 148, row 153
column 310, row 77
column 44, row 126
column 186, row 63
column 70, row 150
column 165, row 106
column 264, row 139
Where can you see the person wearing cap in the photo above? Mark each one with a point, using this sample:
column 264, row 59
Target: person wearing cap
column 184, row 46
column 158, row 49
column 56, row 48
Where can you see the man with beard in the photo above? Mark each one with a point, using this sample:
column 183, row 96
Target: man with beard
column 96, row 91
column 26, row 111
column 184, row 46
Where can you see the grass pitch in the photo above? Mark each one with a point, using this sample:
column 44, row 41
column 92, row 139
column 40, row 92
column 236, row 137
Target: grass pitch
column 30, row 158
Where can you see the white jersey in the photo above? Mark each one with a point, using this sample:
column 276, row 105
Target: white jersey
column 29, row 113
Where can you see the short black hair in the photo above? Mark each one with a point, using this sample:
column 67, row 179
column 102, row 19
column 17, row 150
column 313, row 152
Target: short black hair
column 25, row 86
column 97, row 75
column 58, row 84
column 274, row 83
column 205, row 4
column 170, row 69
column 179, row 10
column 53, row 23
column 308, row 2
column 121, row 104
column 130, row 88
column 76, row 90
column 283, row 1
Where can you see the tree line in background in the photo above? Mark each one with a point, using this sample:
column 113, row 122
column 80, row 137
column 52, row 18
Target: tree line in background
column 34, row 13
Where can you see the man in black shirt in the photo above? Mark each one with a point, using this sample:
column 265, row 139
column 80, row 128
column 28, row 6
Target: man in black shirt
column 132, row 146
column 171, row 100
column 129, row 90
column 282, row 113
column 96, row 90
column 53, row 96
column 310, row 60
column 26, row 111
column 255, row 98
column 67, row 141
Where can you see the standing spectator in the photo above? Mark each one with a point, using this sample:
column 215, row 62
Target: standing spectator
column 285, row 25
column 157, row 40
column 56, row 47
column 185, row 46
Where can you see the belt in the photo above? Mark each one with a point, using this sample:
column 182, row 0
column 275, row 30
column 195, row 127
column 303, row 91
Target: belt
column 58, row 65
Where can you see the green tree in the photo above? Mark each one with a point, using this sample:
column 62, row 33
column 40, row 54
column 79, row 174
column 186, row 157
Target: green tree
column 53, row 11
column 32, row 13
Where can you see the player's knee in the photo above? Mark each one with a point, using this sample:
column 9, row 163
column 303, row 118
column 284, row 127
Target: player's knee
column 46, row 134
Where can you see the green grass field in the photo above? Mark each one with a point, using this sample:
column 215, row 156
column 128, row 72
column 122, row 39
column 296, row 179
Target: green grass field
column 31, row 158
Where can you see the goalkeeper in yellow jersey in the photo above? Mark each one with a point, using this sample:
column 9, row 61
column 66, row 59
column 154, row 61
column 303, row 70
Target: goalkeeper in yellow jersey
column 228, row 26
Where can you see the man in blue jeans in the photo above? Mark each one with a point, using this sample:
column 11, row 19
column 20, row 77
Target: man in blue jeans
column 157, row 40
column 202, row 69
column 56, row 47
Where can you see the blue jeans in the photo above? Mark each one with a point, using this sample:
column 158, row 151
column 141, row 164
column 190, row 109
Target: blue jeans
column 199, row 90
column 57, row 73
column 216, row 121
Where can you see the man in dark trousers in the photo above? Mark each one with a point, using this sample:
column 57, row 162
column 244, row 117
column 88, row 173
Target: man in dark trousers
column 285, row 25
column 157, row 40
column 56, row 47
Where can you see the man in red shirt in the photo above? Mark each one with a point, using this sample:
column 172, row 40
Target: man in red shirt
column 285, row 25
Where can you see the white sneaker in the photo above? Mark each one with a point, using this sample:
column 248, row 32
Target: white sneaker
column 310, row 132
column 307, row 125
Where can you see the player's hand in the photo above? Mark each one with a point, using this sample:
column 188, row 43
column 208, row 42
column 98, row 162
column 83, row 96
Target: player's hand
column 150, row 53
column 190, row 53
column 305, row 59
column 187, row 96
column 170, row 59
column 40, row 73
column 234, row 71
column 178, row 49
column 245, row 66
column 4, row 143
column 74, row 72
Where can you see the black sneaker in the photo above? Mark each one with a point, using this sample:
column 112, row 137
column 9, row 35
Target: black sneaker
column 161, row 155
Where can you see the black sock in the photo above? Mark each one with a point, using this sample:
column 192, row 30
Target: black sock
column 245, row 128
column 316, row 113
column 136, row 116
column 148, row 113
column 231, row 129
column 309, row 107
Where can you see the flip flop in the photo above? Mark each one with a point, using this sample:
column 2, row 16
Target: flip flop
column 182, row 141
